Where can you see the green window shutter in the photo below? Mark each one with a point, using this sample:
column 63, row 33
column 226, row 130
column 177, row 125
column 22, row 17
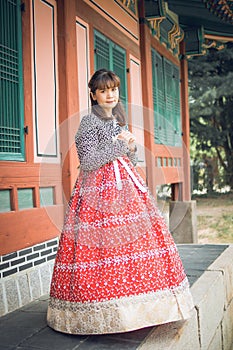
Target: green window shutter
column 102, row 51
column 158, row 98
column 169, row 117
column 11, row 82
column 119, row 67
column 172, row 91
column 161, row 96
column 155, row 98
column 166, row 100
column 111, row 56
column 176, row 106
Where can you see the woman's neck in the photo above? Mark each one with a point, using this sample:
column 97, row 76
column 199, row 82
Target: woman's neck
column 108, row 113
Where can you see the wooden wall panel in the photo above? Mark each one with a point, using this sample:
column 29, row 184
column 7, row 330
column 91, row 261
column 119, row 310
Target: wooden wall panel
column 28, row 227
column 117, row 15
column 136, row 107
column 96, row 19
column 83, row 64
column 44, row 34
column 24, row 227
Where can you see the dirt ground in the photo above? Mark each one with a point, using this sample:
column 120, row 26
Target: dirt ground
column 215, row 219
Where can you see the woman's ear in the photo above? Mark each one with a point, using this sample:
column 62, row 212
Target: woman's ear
column 93, row 96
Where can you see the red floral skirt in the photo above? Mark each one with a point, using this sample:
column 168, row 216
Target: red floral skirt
column 117, row 268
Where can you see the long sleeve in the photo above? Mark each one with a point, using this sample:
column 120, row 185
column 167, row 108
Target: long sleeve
column 95, row 145
column 132, row 155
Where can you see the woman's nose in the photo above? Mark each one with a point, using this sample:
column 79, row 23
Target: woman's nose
column 110, row 93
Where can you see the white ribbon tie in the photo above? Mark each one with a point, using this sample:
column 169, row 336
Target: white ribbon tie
column 129, row 171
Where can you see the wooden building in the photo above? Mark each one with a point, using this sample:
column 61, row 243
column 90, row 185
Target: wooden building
column 48, row 51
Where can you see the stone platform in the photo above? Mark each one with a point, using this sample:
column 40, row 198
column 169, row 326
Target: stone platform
column 210, row 272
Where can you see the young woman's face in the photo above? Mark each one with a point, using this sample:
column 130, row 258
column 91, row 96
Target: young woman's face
column 107, row 98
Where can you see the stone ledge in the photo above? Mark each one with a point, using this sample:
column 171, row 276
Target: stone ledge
column 209, row 328
column 216, row 342
column 227, row 328
column 208, row 295
column 174, row 336
column 211, row 323
column 224, row 264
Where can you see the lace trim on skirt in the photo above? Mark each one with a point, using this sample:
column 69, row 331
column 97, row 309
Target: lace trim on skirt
column 123, row 314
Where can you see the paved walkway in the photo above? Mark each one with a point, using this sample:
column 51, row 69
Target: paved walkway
column 26, row 328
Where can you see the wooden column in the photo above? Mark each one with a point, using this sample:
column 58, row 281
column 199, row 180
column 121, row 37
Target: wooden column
column 27, row 84
column 176, row 191
column 186, row 189
column 147, row 96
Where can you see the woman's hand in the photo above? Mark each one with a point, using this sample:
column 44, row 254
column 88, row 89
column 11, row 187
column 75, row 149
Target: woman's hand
column 128, row 137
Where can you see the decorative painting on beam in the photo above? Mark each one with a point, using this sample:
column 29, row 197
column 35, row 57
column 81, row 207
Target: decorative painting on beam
column 221, row 8
column 164, row 25
column 131, row 5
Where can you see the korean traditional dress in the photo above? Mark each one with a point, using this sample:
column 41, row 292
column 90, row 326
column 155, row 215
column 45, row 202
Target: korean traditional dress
column 117, row 268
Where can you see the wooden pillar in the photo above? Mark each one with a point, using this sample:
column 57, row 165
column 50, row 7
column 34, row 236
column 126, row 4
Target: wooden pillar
column 27, row 84
column 147, row 96
column 176, row 191
column 68, row 92
column 186, row 188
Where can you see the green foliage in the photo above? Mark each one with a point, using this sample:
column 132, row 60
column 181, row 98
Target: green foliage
column 211, row 108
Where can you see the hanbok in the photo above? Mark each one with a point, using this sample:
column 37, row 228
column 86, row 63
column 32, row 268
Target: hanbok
column 117, row 268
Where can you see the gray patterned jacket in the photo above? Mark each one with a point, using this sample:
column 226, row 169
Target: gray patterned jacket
column 96, row 143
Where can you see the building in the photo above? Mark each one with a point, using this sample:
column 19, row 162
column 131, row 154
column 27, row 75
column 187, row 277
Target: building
column 49, row 49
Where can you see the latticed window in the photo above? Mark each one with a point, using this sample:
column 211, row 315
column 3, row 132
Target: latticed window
column 111, row 56
column 11, row 82
column 166, row 100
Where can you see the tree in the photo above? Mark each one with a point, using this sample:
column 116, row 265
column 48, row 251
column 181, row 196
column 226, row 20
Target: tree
column 211, row 106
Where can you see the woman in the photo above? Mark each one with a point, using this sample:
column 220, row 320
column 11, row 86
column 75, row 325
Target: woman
column 117, row 268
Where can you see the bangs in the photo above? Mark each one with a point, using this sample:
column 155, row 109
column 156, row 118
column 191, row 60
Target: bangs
column 106, row 81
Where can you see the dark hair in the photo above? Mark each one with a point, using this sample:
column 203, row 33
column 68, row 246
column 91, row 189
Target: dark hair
column 103, row 79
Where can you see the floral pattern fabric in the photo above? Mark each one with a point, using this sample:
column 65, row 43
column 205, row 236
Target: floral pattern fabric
column 117, row 266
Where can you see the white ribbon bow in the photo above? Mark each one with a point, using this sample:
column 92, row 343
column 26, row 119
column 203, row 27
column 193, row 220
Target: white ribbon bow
column 129, row 171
